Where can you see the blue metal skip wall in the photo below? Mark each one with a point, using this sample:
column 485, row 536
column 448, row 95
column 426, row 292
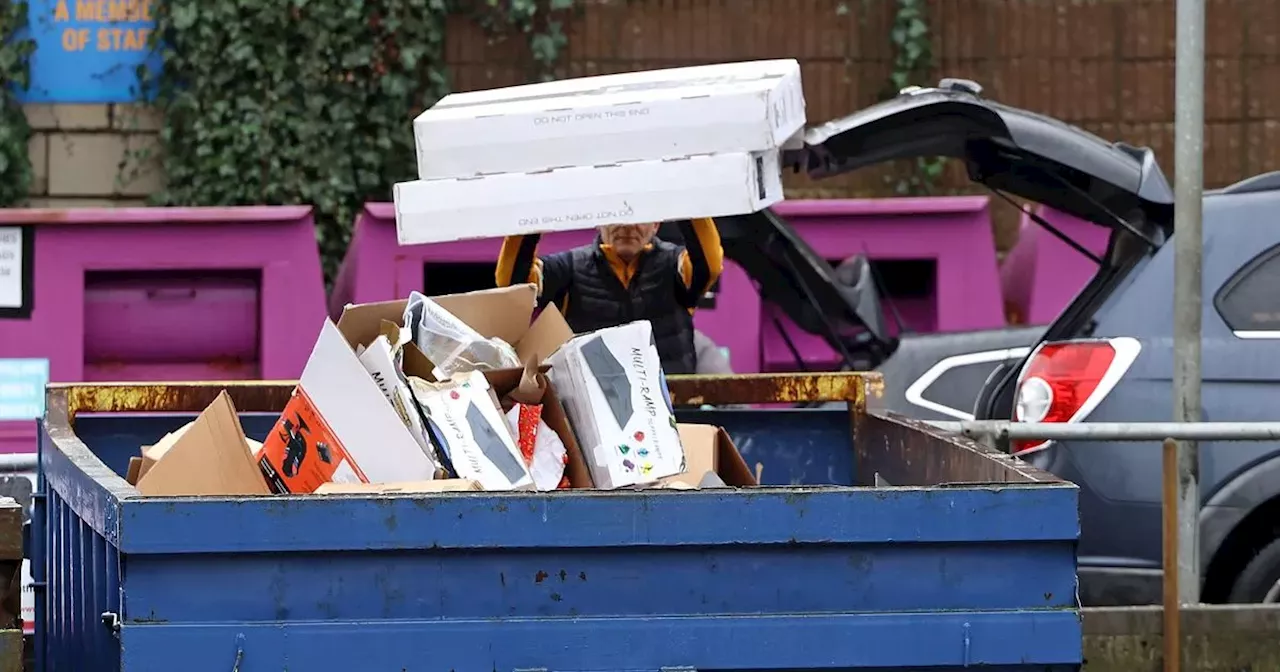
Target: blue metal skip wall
column 901, row 579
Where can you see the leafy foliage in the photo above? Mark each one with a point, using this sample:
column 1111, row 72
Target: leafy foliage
column 913, row 65
column 15, row 133
column 297, row 102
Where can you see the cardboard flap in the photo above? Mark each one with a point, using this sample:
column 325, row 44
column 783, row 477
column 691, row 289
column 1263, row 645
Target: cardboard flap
column 416, row 363
column 360, row 324
column 494, row 313
column 152, row 454
column 212, row 457
column 545, row 336
column 135, row 470
column 531, row 387
column 393, row 330
column 708, row 450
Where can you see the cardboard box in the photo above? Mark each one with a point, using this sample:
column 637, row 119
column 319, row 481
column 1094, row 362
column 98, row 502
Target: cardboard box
column 585, row 197
column 152, row 454
column 149, row 455
column 343, row 406
column 616, row 396
column 503, row 313
column 709, row 450
column 208, row 457
column 493, row 313
column 382, row 358
column 339, row 426
column 468, row 424
column 438, row 485
column 740, row 107
column 553, row 414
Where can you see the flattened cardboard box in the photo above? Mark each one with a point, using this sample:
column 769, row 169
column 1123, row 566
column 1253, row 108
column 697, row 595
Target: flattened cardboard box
column 740, row 107
column 567, row 199
column 208, row 457
column 339, row 427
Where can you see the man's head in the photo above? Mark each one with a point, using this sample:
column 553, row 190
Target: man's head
column 627, row 240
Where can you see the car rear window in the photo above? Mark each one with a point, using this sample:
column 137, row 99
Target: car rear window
column 1249, row 301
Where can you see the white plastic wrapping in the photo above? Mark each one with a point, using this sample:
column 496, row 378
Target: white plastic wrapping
column 450, row 344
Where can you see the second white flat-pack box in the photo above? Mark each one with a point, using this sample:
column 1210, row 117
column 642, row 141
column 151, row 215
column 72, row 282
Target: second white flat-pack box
column 735, row 107
column 585, row 197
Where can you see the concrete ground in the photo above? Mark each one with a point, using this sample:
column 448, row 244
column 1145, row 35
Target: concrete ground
column 1216, row 638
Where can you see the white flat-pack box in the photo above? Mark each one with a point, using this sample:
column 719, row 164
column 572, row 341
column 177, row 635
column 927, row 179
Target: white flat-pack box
column 615, row 394
column 584, row 197
column 658, row 114
column 571, row 85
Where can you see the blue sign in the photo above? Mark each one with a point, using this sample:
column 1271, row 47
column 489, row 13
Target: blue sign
column 88, row 51
column 22, row 384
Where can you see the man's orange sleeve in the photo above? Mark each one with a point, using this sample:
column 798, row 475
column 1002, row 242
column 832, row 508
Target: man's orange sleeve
column 703, row 259
column 518, row 259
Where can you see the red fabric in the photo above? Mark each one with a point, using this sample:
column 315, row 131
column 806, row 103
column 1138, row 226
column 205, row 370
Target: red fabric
column 528, row 429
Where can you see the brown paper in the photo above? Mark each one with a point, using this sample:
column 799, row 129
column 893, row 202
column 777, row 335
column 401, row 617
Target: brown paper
column 135, row 467
column 533, row 385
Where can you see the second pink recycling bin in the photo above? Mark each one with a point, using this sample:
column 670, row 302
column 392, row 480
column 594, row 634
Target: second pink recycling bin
column 1042, row 274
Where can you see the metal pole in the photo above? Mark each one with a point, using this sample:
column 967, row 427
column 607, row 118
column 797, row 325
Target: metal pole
column 1188, row 168
column 1113, row 431
column 1172, row 634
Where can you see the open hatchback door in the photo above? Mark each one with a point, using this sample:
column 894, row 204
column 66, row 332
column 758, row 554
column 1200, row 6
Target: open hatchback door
column 1013, row 152
column 1007, row 149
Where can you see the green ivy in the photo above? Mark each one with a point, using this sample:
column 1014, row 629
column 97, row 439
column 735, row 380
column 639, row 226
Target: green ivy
column 297, row 102
column 15, row 133
column 913, row 65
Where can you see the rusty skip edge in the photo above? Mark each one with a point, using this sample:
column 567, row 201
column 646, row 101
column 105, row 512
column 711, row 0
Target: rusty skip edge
column 65, row 400
column 271, row 396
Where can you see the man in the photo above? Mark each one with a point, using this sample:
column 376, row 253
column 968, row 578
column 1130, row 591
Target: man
column 626, row 275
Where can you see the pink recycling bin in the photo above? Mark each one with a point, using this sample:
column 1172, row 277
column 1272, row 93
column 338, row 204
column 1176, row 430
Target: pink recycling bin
column 154, row 294
column 1042, row 274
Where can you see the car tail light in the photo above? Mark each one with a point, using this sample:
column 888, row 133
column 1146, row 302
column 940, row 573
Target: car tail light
column 1065, row 380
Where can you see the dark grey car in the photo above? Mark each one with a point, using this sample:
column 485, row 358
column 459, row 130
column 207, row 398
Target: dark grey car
column 1120, row 482
column 1107, row 357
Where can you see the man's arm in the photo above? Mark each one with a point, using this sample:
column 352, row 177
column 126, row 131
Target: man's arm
column 701, row 262
column 518, row 262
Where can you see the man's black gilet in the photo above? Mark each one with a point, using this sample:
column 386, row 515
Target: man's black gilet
column 598, row 300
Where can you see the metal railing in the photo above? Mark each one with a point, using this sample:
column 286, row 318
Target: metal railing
column 1174, row 518
column 999, row 430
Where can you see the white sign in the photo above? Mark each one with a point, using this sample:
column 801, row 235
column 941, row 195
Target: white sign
column 11, row 267
column 28, row 600
column 28, row 587
column 22, row 384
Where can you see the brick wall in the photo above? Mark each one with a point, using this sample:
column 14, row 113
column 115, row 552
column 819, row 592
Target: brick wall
column 1106, row 65
column 89, row 155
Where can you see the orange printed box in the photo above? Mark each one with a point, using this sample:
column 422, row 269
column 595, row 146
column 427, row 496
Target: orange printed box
column 339, row 427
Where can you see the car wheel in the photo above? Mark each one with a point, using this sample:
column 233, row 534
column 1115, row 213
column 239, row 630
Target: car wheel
column 1260, row 580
